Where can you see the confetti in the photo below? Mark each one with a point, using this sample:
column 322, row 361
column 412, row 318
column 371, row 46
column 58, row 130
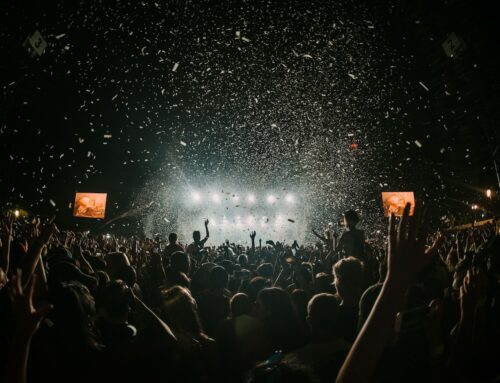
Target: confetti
column 423, row 86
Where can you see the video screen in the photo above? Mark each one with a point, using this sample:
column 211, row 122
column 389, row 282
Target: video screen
column 395, row 202
column 90, row 205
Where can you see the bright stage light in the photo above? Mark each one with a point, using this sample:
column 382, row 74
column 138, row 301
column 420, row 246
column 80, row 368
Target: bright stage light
column 271, row 199
column 250, row 220
column 263, row 221
column 279, row 220
column 216, row 198
column 251, row 198
column 195, row 196
column 238, row 221
column 17, row 213
column 236, row 198
column 289, row 198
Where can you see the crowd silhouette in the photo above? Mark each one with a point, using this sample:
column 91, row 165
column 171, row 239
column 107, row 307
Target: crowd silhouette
column 423, row 306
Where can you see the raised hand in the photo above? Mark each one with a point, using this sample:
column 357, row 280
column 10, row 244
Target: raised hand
column 270, row 242
column 406, row 244
column 7, row 223
column 406, row 257
column 252, row 235
column 206, row 222
column 27, row 318
column 41, row 239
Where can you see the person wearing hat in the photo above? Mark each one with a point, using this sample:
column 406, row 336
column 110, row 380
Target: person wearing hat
column 352, row 241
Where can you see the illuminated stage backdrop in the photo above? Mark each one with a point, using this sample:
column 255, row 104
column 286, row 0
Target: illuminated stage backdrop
column 232, row 216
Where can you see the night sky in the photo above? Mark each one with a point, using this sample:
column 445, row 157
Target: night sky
column 335, row 100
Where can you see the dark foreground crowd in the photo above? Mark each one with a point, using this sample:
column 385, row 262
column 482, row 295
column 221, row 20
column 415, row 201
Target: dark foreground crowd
column 80, row 308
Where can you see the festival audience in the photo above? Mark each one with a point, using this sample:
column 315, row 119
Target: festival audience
column 422, row 307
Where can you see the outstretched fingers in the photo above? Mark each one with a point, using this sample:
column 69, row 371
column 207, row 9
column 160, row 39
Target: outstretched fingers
column 391, row 242
column 403, row 224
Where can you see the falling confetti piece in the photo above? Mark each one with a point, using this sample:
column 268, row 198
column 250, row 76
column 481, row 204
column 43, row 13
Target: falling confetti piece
column 418, row 143
column 52, row 202
column 183, row 143
column 176, row 65
column 423, row 86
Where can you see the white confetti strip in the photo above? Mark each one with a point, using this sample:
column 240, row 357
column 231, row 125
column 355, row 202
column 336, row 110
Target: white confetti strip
column 423, row 86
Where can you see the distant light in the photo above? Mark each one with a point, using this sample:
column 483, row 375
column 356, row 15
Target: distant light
column 216, row 198
column 195, row 196
column 251, row 198
column 108, row 236
column 271, row 199
column 17, row 213
column 289, row 198
column 474, row 207
column 488, row 193
column 250, row 220
column 238, row 221
column 264, row 221
column 236, row 198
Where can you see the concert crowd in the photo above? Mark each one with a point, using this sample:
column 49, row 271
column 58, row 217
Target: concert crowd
column 422, row 306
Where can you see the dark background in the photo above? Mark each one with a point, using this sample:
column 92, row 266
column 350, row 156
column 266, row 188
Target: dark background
column 278, row 111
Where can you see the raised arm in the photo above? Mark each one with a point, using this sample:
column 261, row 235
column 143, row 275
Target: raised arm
column 27, row 319
column 252, row 237
column 320, row 236
column 406, row 257
column 41, row 238
column 6, row 240
column 207, row 234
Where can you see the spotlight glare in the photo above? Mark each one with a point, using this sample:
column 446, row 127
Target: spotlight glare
column 289, row 198
column 238, row 221
column 251, row 198
column 488, row 193
column 279, row 219
column 17, row 213
column 271, row 199
column 195, row 196
column 216, row 198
